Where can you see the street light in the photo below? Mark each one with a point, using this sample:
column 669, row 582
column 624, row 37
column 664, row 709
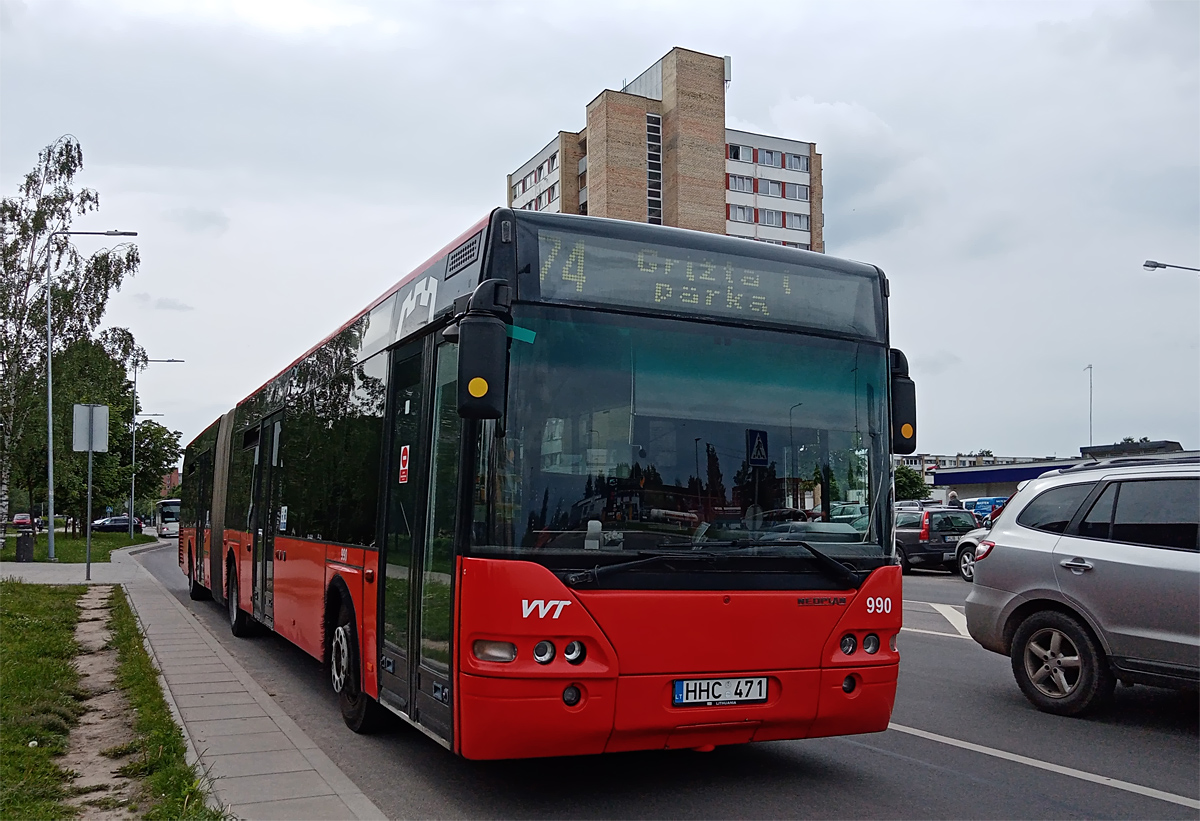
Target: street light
column 49, row 372
column 133, row 452
column 1150, row 265
column 795, row 466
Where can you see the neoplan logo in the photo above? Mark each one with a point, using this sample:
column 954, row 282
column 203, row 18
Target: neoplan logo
column 542, row 606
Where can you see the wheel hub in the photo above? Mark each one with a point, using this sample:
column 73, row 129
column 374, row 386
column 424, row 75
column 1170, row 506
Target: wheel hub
column 340, row 657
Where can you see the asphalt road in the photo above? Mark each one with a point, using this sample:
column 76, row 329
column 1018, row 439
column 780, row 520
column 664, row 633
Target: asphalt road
column 949, row 687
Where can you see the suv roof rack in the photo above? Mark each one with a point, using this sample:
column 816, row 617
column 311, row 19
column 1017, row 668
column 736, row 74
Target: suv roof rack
column 1128, row 462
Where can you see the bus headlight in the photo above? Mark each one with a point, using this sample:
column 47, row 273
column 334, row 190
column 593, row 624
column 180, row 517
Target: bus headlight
column 849, row 643
column 495, row 650
column 575, row 652
column 543, row 652
column 871, row 644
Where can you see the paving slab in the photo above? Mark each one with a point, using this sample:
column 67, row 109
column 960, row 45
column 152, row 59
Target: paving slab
column 325, row 806
column 258, row 763
column 212, row 699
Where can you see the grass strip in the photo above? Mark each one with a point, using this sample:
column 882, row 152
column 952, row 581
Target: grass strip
column 172, row 787
column 39, row 696
column 69, row 549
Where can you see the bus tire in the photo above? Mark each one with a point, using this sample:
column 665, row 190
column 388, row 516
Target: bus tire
column 359, row 710
column 239, row 622
column 196, row 591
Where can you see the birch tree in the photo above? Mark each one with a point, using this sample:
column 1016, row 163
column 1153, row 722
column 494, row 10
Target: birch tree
column 47, row 201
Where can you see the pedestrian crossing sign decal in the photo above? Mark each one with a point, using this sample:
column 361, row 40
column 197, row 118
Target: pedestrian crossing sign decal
column 756, row 448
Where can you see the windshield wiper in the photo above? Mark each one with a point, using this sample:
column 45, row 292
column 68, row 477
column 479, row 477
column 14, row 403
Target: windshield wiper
column 832, row 567
column 593, row 575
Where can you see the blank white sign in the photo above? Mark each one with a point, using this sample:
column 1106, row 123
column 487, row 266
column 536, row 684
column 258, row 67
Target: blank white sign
column 99, row 427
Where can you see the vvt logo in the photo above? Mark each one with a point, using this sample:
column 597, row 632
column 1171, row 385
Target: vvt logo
column 543, row 607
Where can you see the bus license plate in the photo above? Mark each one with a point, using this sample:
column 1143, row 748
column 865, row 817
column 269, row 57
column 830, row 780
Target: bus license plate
column 714, row 692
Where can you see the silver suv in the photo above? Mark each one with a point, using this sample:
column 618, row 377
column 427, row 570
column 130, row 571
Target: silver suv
column 1091, row 575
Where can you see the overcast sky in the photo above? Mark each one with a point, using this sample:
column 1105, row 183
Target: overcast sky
column 1009, row 165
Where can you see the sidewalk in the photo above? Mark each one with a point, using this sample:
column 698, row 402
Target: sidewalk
column 259, row 763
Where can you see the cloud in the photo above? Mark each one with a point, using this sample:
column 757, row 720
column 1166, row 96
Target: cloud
column 162, row 303
column 877, row 179
column 199, row 220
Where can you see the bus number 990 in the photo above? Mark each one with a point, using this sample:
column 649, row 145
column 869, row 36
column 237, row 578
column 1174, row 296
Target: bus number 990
column 878, row 604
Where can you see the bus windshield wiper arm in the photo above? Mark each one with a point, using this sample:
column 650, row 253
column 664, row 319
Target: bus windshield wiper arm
column 831, row 566
column 593, row 575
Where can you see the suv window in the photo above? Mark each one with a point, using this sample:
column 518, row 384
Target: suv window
column 1098, row 523
column 908, row 520
column 1053, row 509
column 953, row 520
column 1158, row 512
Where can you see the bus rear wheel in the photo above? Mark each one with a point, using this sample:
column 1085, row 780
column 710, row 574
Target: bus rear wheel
column 196, row 591
column 359, row 711
column 239, row 622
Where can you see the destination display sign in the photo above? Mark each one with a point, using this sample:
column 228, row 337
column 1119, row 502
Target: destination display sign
column 605, row 270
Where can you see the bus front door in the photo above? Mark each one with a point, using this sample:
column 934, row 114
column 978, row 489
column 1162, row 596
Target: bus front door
column 416, row 655
column 265, row 517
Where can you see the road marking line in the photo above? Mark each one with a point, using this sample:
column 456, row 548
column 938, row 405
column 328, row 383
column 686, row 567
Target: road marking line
column 957, row 620
column 1149, row 792
column 933, row 633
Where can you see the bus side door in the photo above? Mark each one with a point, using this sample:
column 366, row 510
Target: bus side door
column 265, row 515
column 417, row 612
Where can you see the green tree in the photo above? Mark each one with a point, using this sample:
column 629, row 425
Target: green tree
column 93, row 371
column 1129, row 440
column 47, row 201
column 910, row 484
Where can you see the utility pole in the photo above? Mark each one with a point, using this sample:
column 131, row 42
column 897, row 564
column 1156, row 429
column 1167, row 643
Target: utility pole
column 1089, row 370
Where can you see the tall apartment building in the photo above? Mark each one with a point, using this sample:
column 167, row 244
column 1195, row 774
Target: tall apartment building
column 658, row 151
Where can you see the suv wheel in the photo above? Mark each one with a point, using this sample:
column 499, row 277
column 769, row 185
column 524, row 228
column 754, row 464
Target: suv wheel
column 966, row 563
column 1059, row 665
column 902, row 560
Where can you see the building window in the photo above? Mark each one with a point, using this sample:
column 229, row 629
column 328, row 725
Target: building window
column 768, row 217
column 771, row 158
column 741, row 213
column 654, row 209
column 738, row 183
column 741, row 153
column 552, row 163
column 797, row 162
column 552, row 193
column 795, row 191
column 798, row 221
column 770, row 188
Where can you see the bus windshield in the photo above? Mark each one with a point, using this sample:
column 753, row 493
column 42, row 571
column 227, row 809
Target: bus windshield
column 168, row 511
column 627, row 434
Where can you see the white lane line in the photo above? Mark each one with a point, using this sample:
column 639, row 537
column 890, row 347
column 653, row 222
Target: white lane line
column 933, row 633
column 1149, row 792
column 957, row 620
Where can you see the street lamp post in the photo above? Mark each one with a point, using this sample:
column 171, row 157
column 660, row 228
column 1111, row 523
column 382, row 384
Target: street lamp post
column 1151, row 264
column 50, row 373
column 795, row 461
column 133, row 452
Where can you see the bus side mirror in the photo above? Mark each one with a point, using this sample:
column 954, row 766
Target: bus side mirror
column 904, row 406
column 483, row 352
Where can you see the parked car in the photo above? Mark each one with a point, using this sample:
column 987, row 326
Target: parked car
column 116, row 524
column 964, row 552
column 927, row 538
column 847, row 512
column 22, row 521
column 1092, row 575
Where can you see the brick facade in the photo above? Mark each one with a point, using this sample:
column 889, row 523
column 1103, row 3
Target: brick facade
column 616, row 143
column 693, row 104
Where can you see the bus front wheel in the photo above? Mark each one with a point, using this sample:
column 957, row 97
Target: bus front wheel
column 359, row 711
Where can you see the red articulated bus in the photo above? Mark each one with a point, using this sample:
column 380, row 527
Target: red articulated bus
column 520, row 500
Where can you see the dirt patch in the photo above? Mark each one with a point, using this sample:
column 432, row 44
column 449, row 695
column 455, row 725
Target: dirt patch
column 99, row 746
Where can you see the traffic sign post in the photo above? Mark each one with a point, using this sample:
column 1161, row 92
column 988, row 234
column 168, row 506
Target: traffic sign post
column 91, row 434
